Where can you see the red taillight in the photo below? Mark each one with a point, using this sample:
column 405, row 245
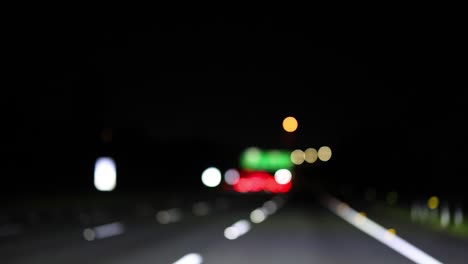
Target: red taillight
column 258, row 181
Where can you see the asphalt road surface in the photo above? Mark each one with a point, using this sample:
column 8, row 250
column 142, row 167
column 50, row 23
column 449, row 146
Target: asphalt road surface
column 225, row 229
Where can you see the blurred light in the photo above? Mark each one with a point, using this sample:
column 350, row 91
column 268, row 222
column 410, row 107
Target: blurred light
column 257, row 216
column 109, row 230
column 105, row 175
column 283, row 176
column 310, row 155
column 270, row 207
column 297, row 157
column 231, row 176
column 211, row 177
column 445, row 216
column 231, row 233
column 237, row 229
column 192, row 258
column 290, row 124
column 89, row 234
column 378, row 232
column 270, row 160
column 324, row 153
column 433, row 202
column 103, row 231
column 259, row 181
column 252, row 155
column 279, row 201
column 242, row 225
column 163, row 217
column 169, row 216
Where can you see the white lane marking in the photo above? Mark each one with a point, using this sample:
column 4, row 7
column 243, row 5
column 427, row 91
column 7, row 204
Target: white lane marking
column 378, row 232
column 104, row 231
column 191, row 258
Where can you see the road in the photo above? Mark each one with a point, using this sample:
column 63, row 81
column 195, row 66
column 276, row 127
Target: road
column 283, row 230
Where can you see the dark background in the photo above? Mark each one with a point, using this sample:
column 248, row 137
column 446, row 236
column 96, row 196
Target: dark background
column 173, row 96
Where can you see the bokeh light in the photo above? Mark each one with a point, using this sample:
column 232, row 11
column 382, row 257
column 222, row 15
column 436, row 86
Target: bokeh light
column 254, row 158
column 211, row 177
column 105, row 174
column 310, row 155
column 257, row 216
column 283, row 176
column 433, row 202
column 231, row 176
column 290, row 124
column 297, row 157
column 324, row 153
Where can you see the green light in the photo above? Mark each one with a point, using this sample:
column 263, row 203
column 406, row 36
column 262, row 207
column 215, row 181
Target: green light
column 268, row 160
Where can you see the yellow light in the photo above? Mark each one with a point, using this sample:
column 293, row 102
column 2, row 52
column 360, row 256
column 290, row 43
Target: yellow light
column 290, row 124
column 297, row 157
column 310, row 155
column 324, row 153
column 433, row 202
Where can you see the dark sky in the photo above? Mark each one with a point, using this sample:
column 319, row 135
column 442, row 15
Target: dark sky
column 219, row 84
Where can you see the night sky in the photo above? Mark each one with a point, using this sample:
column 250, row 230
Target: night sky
column 383, row 101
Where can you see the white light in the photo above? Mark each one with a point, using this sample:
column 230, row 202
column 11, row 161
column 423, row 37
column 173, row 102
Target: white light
column 211, row 177
column 257, row 216
column 445, row 216
column 231, row 233
column 237, row 229
column 378, row 232
column 192, row 258
column 283, row 176
column 231, row 176
column 242, row 225
column 105, row 176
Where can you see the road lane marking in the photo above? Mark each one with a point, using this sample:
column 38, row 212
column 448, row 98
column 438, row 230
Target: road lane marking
column 104, row 231
column 378, row 232
column 191, row 258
